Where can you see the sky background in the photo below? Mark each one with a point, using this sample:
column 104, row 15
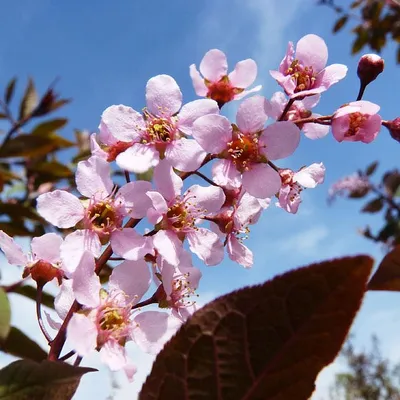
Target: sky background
column 104, row 53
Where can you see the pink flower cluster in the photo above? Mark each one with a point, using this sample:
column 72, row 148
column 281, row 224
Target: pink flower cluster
column 173, row 141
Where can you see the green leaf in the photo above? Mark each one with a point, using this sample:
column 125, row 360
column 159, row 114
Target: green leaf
column 361, row 40
column 145, row 176
column 26, row 379
column 387, row 276
column 9, row 93
column 30, row 292
column 5, row 315
column 45, row 128
column 19, row 211
column 51, row 170
column 15, row 228
column 371, row 168
column 268, row 341
column 373, row 206
column 391, row 182
column 340, row 23
column 29, row 100
column 19, row 345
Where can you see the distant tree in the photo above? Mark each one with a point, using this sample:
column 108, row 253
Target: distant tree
column 377, row 22
column 370, row 376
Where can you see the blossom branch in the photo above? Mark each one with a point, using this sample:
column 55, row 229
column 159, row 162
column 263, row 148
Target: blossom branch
column 326, row 120
column 286, row 109
column 208, row 180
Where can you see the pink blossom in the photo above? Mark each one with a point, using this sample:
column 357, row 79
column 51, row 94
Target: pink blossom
column 357, row 121
column 244, row 149
column 108, row 323
column 101, row 215
column 175, row 217
column 216, row 84
column 299, row 110
column 305, row 73
column 138, row 141
column 179, row 284
column 294, row 182
column 43, row 262
column 233, row 222
column 352, row 185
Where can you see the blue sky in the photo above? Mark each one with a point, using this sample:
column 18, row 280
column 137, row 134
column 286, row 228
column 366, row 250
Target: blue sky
column 104, row 53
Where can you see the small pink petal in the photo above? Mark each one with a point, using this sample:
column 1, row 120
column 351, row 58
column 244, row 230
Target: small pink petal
column 312, row 51
column 193, row 110
column 185, row 155
column 129, row 244
column 93, row 178
column 163, row 96
column 64, row 298
column 366, row 107
column 132, row 199
column 75, row 244
column 212, row 132
column 310, row 102
column 261, row 181
column 206, row 245
column 47, row 247
column 240, row 95
column 95, row 149
column 244, row 74
column 276, row 105
column 160, row 207
column 168, row 245
column 198, row 82
column 86, row 284
column 168, row 183
column 82, row 334
column 150, row 329
column 210, row 198
column 330, row 75
column 214, row 65
column 138, row 159
column 12, row 250
column 248, row 210
column 123, row 122
column 280, row 140
column 54, row 324
column 251, row 116
column 60, row 208
column 114, row 356
column 225, row 174
column 311, row 176
column 315, row 131
column 239, row 252
column 370, row 129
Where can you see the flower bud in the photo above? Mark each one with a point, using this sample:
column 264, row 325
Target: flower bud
column 369, row 67
column 394, row 128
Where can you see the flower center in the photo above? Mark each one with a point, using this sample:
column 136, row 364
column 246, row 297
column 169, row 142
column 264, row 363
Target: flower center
column 355, row 122
column 304, row 77
column 222, row 91
column 104, row 218
column 244, row 150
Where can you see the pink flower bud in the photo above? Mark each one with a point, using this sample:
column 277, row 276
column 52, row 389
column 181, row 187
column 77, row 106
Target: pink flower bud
column 394, row 128
column 369, row 67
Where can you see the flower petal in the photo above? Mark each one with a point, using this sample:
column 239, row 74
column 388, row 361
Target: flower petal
column 122, row 122
column 248, row 210
column 280, row 140
column 74, row 246
column 160, row 207
column 315, row 131
column 129, row 244
column 168, row 183
column 193, row 110
column 261, row 181
column 198, row 82
column 244, row 74
column 86, row 284
column 312, row 51
column 330, row 75
column 47, row 247
column 209, row 198
column 225, row 174
column 132, row 199
column 206, row 245
column 214, row 65
column 132, row 277
column 239, row 252
column 185, row 155
column 310, row 176
column 212, row 132
column 138, row 159
column 114, row 356
column 276, row 105
column 163, row 96
column 251, row 115
column 60, row 208
column 93, row 178
column 64, row 298
column 82, row 334
column 168, row 245
column 12, row 250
